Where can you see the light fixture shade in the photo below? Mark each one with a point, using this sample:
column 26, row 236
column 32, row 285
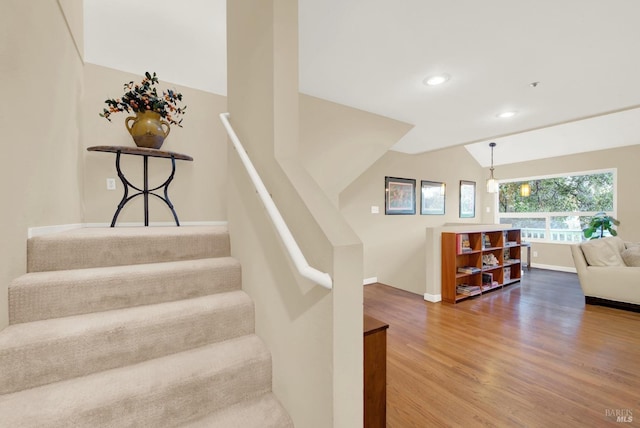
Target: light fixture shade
column 525, row 190
column 492, row 185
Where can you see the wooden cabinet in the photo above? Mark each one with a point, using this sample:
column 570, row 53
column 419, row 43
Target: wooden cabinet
column 477, row 262
column 375, row 373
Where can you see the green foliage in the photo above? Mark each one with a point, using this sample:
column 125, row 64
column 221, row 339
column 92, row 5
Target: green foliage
column 593, row 192
column 600, row 223
column 144, row 96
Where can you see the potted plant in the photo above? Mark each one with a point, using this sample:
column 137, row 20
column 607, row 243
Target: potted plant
column 153, row 111
column 598, row 224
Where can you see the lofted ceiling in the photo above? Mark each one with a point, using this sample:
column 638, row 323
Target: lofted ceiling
column 375, row 54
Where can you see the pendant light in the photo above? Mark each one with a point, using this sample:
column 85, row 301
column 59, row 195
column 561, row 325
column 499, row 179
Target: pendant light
column 525, row 190
column 492, row 183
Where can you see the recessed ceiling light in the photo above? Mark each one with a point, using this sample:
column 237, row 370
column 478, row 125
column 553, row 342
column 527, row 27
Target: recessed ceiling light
column 435, row 80
column 507, row 114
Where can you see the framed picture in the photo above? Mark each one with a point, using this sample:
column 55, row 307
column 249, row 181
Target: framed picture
column 467, row 199
column 432, row 197
column 399, row 195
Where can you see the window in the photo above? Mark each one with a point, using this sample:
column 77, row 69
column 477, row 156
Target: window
column 556, row 208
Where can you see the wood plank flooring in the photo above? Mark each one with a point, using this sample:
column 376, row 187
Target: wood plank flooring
column 530, row 355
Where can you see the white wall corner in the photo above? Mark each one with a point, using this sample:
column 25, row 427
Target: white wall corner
column 434, row 298
column 371, row 280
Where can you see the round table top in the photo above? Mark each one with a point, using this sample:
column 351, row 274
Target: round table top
column 140, row 151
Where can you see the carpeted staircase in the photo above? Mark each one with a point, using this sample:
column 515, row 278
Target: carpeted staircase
column 134, row 327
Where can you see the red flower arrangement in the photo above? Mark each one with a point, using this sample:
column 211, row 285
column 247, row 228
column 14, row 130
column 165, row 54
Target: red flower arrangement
column 143, row 97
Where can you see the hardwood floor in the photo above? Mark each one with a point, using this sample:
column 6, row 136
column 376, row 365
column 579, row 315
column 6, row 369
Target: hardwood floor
column 530, row 355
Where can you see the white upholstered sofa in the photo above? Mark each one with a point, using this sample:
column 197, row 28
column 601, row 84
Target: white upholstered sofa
column 609, row 272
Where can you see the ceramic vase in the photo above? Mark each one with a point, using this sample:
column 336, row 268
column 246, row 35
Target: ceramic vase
column 147, row 129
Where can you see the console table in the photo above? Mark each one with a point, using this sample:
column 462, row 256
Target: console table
column 145, row 191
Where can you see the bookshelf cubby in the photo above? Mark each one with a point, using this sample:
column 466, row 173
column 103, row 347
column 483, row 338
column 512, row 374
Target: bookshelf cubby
column 476, row 262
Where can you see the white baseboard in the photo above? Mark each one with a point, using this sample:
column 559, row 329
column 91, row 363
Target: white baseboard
column 371, row 280
column 434, row 298
column 46, row 230
column 553, row 267
column 158, row 224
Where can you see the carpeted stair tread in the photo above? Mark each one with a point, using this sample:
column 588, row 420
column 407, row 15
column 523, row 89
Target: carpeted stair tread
column 162, row 392
column 264, row 411
column 95, row 247
column 134, row 327
column 41, row 352
column 43, row 295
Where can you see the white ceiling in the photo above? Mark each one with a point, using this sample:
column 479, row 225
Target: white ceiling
column 374, row 54
column 184, row 42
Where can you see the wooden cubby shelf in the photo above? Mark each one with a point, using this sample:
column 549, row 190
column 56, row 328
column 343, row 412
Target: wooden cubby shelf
column 477, row 262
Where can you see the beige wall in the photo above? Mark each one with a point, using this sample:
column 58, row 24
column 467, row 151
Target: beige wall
column 394, row 245
column 315, row 335
column 338, row 143
column 74, row 17
column 41, row 78
column 199, row 189
column 625, row 159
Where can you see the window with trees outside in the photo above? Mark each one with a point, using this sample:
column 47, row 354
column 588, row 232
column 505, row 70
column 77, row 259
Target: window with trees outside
column 556, row 208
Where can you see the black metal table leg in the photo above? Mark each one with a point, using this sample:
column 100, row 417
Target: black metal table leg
column 145, row 191
column 125, row 186
column 166, row 199
column 145, row 163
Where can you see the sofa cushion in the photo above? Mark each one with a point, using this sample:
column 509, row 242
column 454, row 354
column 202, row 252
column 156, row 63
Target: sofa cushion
column 629, row 245
column 631, row 256
column 604, row 251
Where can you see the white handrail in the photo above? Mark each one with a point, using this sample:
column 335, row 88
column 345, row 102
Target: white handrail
column 299, row 261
